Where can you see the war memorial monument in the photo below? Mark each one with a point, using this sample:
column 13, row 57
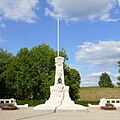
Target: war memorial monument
column 59, row 99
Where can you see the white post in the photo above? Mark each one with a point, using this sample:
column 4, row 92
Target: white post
column 58, row 36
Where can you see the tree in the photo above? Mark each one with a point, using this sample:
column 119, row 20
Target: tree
column 5, row 59
column 105, row 80
column 119, row 72
column 72, row 79
column 31, row 73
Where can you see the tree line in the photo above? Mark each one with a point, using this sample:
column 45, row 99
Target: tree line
column 30, row 73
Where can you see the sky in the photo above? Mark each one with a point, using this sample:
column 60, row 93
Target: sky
column 89, row 32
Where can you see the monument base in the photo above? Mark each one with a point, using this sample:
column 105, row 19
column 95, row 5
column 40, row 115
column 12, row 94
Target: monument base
column 60, row 101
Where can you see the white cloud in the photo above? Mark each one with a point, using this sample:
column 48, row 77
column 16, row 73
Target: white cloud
column 104, row 54
column 89, row 80
column 106, row 18
column 2, row 25
column 74, row 10
column 93, row 78
column 119, row 2
column 2, row 40
column 18, row 10
column 97, row 74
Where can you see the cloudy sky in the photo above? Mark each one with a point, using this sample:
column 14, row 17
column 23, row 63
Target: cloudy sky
column 89, row 32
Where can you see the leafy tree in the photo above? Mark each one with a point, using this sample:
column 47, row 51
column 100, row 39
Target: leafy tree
column 72, row 79
column 10, row 76
column 63, row 53
column 105, row 80
column 119, row 72
column 30, row 74
column 5, row 59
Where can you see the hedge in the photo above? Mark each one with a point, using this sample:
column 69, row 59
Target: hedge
column 30, row 102
column 37, row 102
column 85, row 103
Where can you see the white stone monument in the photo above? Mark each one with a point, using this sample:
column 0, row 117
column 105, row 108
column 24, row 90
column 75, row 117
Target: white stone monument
column 59, row 93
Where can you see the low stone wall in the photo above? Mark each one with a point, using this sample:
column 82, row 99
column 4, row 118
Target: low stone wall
column 115, row 102
column 11, row 101
column 22, row 106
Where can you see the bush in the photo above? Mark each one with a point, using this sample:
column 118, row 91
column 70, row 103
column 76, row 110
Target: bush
column 37, row 102
column 85, row 103
column 109, row 105
column 9, row 105
column 30, row 102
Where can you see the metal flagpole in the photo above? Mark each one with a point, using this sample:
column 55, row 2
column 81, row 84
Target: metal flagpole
column 58, row 36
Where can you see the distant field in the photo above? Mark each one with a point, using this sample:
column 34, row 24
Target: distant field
column 96, row 93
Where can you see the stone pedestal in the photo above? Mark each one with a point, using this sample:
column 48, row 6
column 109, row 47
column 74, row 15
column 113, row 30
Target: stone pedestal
column 59, row 93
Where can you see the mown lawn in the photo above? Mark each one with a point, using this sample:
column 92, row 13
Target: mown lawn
column 96, row 93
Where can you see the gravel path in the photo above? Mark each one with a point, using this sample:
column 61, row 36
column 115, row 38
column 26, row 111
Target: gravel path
column 30, row 114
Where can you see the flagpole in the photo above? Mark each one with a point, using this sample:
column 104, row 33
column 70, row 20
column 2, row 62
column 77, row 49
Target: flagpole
column 58, row 36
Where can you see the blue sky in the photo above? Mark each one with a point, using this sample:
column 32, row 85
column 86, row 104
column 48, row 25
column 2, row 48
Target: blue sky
column 89, row 32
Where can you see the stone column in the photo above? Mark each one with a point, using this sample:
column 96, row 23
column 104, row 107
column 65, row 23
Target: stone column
column 59, row 75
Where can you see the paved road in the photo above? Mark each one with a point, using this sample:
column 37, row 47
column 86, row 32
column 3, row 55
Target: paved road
column 30, row 114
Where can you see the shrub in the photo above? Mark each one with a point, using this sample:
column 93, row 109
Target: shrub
column 85, row 103
column 9, row 105
column 109, row 105
column 30, row 102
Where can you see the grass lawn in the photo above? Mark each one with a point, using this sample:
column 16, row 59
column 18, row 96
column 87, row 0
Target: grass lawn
column 96, row 93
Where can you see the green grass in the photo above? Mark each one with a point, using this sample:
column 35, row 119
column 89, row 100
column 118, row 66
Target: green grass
column 96, row 93
column 88, row 95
